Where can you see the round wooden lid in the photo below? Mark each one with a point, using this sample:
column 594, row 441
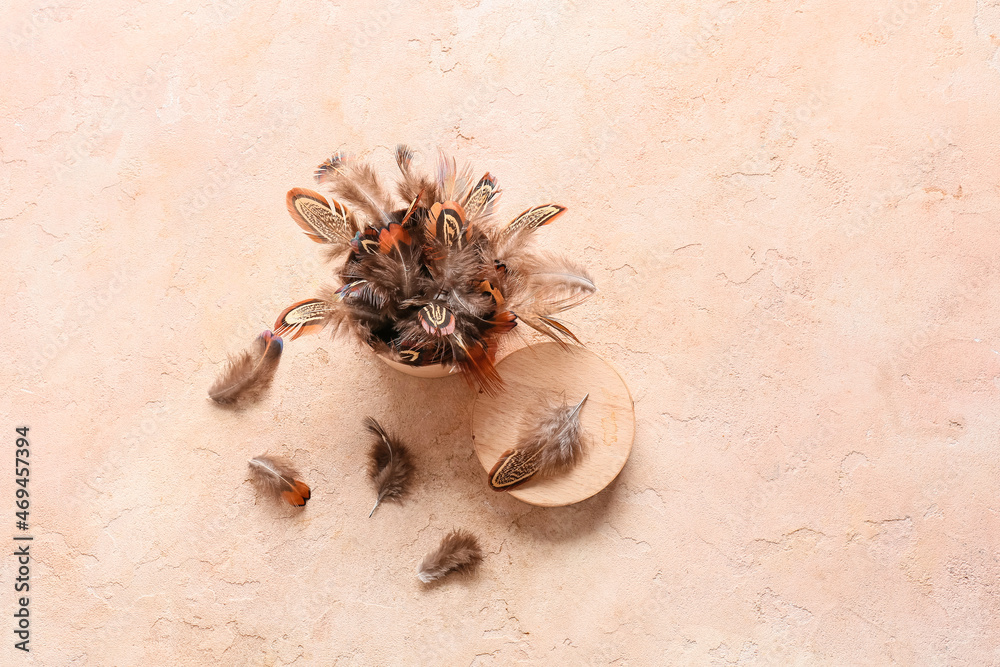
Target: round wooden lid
column 607, row 419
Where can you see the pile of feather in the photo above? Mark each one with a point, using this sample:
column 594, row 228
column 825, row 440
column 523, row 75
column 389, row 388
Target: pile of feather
column 430, row 275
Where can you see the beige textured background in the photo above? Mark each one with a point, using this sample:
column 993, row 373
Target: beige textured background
column 791, row 209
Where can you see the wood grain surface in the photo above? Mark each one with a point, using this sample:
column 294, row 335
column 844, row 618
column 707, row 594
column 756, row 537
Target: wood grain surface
column 608, row 418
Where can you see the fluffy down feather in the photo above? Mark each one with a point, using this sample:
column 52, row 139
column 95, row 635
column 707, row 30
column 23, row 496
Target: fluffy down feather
column 458, row 552
column 249, row 373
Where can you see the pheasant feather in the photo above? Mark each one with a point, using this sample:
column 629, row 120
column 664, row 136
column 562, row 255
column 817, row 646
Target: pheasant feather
column 550, row 443
column 248, row 374
column 278, row 478
column 458, row 552
column 389, row 465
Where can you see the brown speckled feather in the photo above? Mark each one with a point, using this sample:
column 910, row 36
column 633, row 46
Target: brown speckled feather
column 278, row 478
column 389, row 465
column 551, row 442
column 249, row 373
column 458, row 552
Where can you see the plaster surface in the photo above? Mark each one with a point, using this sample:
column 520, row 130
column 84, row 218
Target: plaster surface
column 791, row 209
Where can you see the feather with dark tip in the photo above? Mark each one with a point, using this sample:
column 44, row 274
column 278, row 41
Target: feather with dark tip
column 389, row 465
column 533, row 218
column 458, row 552
column 551, row 443
column 278, row 478
column 323, row 221
column 304, row 318
column 479, row 204
column 477, row 363
column 248, row 374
